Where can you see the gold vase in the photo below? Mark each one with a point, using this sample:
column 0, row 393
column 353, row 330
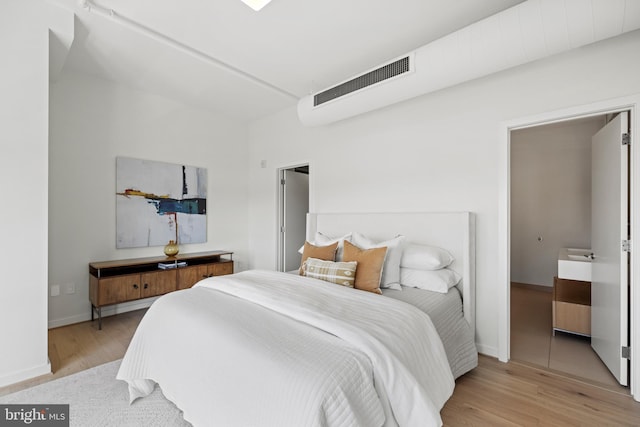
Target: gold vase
column 171, row 249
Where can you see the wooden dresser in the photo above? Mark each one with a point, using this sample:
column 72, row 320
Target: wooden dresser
column 115, row 282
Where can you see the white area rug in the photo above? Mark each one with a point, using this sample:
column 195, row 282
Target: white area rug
column 96, row 398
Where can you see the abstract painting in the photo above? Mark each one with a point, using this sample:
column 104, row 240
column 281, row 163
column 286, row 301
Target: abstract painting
column 157, row 202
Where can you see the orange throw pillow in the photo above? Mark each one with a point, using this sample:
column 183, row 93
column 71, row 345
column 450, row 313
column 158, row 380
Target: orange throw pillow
column 370, row 262
column 325, row 253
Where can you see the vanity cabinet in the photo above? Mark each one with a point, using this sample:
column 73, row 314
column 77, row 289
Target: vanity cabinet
column 115, row 282
column 571, row 306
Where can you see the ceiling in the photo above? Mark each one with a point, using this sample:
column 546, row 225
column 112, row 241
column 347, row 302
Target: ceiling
column 221, row 55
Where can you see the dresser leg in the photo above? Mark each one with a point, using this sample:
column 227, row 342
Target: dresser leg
column 99, row 310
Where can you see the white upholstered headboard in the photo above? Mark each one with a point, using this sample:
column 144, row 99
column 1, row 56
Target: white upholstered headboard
column 454, row 231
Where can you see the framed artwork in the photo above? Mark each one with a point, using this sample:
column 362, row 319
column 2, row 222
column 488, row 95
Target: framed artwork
column 157, row 202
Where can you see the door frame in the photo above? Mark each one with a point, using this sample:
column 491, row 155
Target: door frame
column 630, row 103
column 280, row 210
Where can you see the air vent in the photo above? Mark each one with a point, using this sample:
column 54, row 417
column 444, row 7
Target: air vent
column 378, row 75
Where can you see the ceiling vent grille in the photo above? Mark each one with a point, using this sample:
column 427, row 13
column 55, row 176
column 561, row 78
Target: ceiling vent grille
column 378, row 75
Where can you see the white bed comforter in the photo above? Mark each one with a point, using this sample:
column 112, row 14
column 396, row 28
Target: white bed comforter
column 262, row 348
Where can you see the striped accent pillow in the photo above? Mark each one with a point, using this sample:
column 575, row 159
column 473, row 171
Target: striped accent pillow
column 341, row 273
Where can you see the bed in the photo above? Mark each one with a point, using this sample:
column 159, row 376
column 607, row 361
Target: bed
column 265, row 348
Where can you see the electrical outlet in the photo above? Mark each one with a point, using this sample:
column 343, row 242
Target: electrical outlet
column 70, row 288
column 55, row 290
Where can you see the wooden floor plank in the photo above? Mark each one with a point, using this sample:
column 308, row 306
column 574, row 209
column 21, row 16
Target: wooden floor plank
column 506, row 394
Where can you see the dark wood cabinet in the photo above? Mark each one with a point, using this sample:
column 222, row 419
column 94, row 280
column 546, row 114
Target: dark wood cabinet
column 114, row 282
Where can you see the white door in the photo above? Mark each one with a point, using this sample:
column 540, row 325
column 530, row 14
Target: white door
column 296, row 206
column 609, row 227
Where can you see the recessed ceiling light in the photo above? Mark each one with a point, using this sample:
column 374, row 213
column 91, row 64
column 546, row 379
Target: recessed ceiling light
column 256, row 4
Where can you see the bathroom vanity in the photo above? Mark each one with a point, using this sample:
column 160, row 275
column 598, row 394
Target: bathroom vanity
column 571, row 306
column 571, row 303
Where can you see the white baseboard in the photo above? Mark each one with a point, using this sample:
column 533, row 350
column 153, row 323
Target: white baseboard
column 69, row 320
column 487, row 350
column 27, row 374
column 106, row 312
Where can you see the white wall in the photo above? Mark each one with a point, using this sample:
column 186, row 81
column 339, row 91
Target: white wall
column 550, row 196
column 92, row 122
column 24, row 46
column 433, row 153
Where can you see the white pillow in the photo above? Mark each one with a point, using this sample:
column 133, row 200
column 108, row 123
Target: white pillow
column 324, row 240
column 391, row 267
column 394, row 286
column 425, row 257
column 431, row 280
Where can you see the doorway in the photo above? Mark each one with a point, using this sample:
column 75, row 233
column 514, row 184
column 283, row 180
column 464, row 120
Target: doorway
column 293, row 206
column 629, row 103
column 551, row 209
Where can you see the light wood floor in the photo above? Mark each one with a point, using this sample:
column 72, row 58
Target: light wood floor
column 81, row 346
column 513, row 394
column 493, row 394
